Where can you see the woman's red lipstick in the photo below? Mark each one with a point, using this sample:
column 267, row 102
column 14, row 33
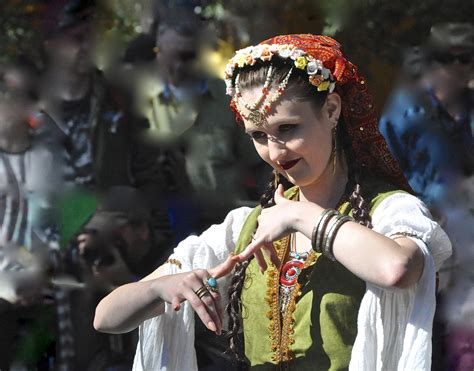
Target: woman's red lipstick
column 288, row 165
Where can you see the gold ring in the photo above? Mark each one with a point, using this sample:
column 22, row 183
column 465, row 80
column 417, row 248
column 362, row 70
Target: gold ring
column 202, row 291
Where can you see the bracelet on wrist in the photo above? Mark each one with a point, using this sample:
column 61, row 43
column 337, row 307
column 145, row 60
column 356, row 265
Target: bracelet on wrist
column 325, row 230
column 334, row 224
column 317, row 235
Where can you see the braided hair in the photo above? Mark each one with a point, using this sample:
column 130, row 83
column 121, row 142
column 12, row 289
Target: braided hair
column 299, row 88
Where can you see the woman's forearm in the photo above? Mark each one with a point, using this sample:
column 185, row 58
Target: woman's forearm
column 125, row 308
column 366, row 253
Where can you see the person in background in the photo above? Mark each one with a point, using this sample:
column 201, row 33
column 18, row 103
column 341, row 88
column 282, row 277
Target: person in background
column 429, row 127
column 120, row 230
column 428, row 123
column 117, row 245
column 190, row 127
column 85, row 107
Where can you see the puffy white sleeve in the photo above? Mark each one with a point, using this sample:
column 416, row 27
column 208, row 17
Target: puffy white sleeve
column 166, row 342
column 395, row 326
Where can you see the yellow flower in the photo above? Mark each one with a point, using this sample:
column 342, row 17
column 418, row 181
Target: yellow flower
column 301, row 63
column 241, row 60
column 323, row 86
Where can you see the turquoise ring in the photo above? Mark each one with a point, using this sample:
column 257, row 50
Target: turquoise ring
column 211, row 284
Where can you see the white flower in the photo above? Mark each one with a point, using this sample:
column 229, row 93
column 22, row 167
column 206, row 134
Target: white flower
column 257, row 51
column 284, row 51
column 246, row 50
column 229, row 69
column 274, row 48
column 229, row 90
column 325, row 73
column 312, row 68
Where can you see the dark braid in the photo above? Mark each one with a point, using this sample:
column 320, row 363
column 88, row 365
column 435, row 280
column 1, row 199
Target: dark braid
column 360, row 207
column 266, row 200
column 234, row 309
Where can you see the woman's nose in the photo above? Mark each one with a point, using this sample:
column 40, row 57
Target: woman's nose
column 276, row 149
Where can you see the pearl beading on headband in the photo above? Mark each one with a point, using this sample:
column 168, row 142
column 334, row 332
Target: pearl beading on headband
column 258, row 116
column 318, row 75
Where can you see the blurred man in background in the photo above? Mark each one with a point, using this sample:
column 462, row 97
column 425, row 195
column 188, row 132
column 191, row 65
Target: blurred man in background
column 188, row 118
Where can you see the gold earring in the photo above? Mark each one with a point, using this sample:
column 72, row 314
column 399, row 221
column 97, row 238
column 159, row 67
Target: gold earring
column 276, row 179
column 334, row 148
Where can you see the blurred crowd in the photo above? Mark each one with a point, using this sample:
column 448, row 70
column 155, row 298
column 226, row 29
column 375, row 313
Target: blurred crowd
column 112, row 152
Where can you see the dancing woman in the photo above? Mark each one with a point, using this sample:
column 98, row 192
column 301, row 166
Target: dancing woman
column 337, row 266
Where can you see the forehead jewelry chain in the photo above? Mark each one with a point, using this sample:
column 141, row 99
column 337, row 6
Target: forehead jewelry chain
column 263, row 93
column 258, row 116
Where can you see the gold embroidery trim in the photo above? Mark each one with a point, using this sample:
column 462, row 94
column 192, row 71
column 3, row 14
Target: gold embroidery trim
column 281, row 328
column 272, row 299
column 174, row 261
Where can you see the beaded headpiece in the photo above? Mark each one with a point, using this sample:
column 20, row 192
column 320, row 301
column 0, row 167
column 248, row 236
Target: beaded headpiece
column 319, row 76
column 260, row 109
column 328, row 70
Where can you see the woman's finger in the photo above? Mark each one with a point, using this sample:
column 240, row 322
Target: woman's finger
column 202, row 310
column 250, row 250
column 212, row 298
column 279, row 195
column 255, row 249
column 175, row 303
column 208, row 300
column 262, row 264
column 272, row 254
column 218, row 303
column 256, row 245
column 225, row 268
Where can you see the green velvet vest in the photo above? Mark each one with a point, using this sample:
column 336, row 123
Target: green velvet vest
column 319, row 326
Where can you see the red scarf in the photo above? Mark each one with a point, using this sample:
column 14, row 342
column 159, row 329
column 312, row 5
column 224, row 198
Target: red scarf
column 370, row 148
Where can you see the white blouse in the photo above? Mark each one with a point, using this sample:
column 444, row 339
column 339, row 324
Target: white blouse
column 394, row 326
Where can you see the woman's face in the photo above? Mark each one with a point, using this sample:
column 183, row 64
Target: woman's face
column 296, row 140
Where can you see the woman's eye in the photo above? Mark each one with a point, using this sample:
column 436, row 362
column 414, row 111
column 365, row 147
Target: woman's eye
column 258, row 135
column 286, row 128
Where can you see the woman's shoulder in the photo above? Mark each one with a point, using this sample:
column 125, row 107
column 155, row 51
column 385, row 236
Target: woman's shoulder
column 387, row 200
column 401, row 213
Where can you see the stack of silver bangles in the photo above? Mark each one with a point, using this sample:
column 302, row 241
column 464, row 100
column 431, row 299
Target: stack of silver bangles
column 325, row 230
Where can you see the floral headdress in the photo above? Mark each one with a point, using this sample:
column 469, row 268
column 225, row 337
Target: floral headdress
column 318, row 75
column 328, row 70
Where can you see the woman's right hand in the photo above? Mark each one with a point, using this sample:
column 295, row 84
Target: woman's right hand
column 177, row 288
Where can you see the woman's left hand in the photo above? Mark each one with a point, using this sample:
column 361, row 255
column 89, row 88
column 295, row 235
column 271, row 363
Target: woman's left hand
column 273, row 223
